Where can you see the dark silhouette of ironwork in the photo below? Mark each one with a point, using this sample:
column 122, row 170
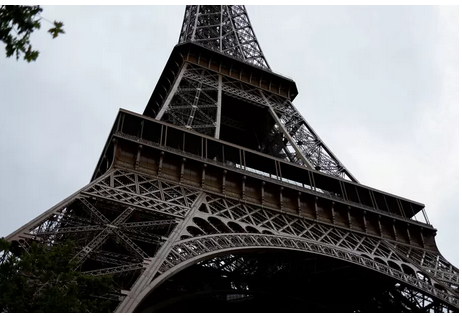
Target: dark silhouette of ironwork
column 221, row 197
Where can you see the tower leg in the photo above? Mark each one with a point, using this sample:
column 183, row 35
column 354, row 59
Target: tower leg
column 133, row 298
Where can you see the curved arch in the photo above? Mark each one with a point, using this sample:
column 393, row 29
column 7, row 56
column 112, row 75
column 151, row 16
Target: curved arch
column 407, row 269
column 366, row 256
column 439, row 287
column 193, row 230
column 236, row 227
column 205, row 226
column 394, row 265
column 252, row 230
column 185, row 253
column 380, row 261
column 219, row 225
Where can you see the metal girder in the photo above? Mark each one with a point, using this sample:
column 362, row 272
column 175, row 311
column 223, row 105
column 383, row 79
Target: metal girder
column 310, row 144
column 164, row 214
column 168, row 199
column 116, row 270
column 144, row 236
column 296, row 276
column 122, row 258
column 302, row 145
column 132, row 247
column 280, row 223
column 73, row 219
column 94, row 211
column 74, row 229
column 65, row 222
column 446, row 278
column 123, row 216
column 97, row 241
column 193, row 105
column 149, row 223
column 101, row 257
column 198, row 247
column 224, row 28
column 418, row 301
column 289, row 232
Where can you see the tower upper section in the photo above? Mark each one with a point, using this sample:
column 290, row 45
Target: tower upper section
column 217, row 82
column 223, row 28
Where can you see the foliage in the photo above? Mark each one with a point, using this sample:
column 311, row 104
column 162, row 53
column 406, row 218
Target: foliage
column 17, row 23
column 44, row 280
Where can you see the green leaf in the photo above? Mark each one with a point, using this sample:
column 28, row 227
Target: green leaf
column 55, row 31
column 17, row 23
column 31, row 55
column 42, row 280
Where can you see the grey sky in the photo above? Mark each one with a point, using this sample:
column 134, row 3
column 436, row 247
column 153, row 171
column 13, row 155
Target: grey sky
column 378, row 84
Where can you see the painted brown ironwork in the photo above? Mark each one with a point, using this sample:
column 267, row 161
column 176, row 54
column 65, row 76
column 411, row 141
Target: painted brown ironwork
column 175, row 191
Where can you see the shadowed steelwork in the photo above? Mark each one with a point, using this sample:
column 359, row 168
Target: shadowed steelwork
column 224, row 28
column 221, row 198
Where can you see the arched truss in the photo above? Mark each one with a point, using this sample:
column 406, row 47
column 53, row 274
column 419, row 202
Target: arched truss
column 190, row 251
column 431, row 264
column 175, row 225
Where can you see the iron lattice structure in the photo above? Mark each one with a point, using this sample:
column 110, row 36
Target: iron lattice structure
column 225, row 28
column 194, row 206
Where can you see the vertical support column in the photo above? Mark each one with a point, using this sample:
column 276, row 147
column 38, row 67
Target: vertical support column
column 299, row 206
column 221, row 29
column 243, row 187
column 349, row 216
column 183, row 161
column 111, row 180
column 193, row 109
column 203, row 175
column 219, row 101
column 281, row 198
column 365, row 221
column 333, row 212
column 316, row 211
column 193, row 37
column 423, row 239
column 161, row 159
column 408, row 234
column 380, row 225
column 137, row 184
column 142, row 285
column 115, row 151
column 223, row 184
column 138, row 157
column 263, row 193
column 395, row 236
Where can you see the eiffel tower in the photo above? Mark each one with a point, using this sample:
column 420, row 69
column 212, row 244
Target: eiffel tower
column 222, row 198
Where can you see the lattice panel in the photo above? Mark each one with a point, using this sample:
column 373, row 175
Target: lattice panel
column 144, row 192
column 301, row 145
column 116, row 222
column 191, row 249
column 224, row 28
column 433, row 263
column 284, row 224
column 195, row 104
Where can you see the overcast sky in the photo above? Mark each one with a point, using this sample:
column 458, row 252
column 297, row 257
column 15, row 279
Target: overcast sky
column 378, row 84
